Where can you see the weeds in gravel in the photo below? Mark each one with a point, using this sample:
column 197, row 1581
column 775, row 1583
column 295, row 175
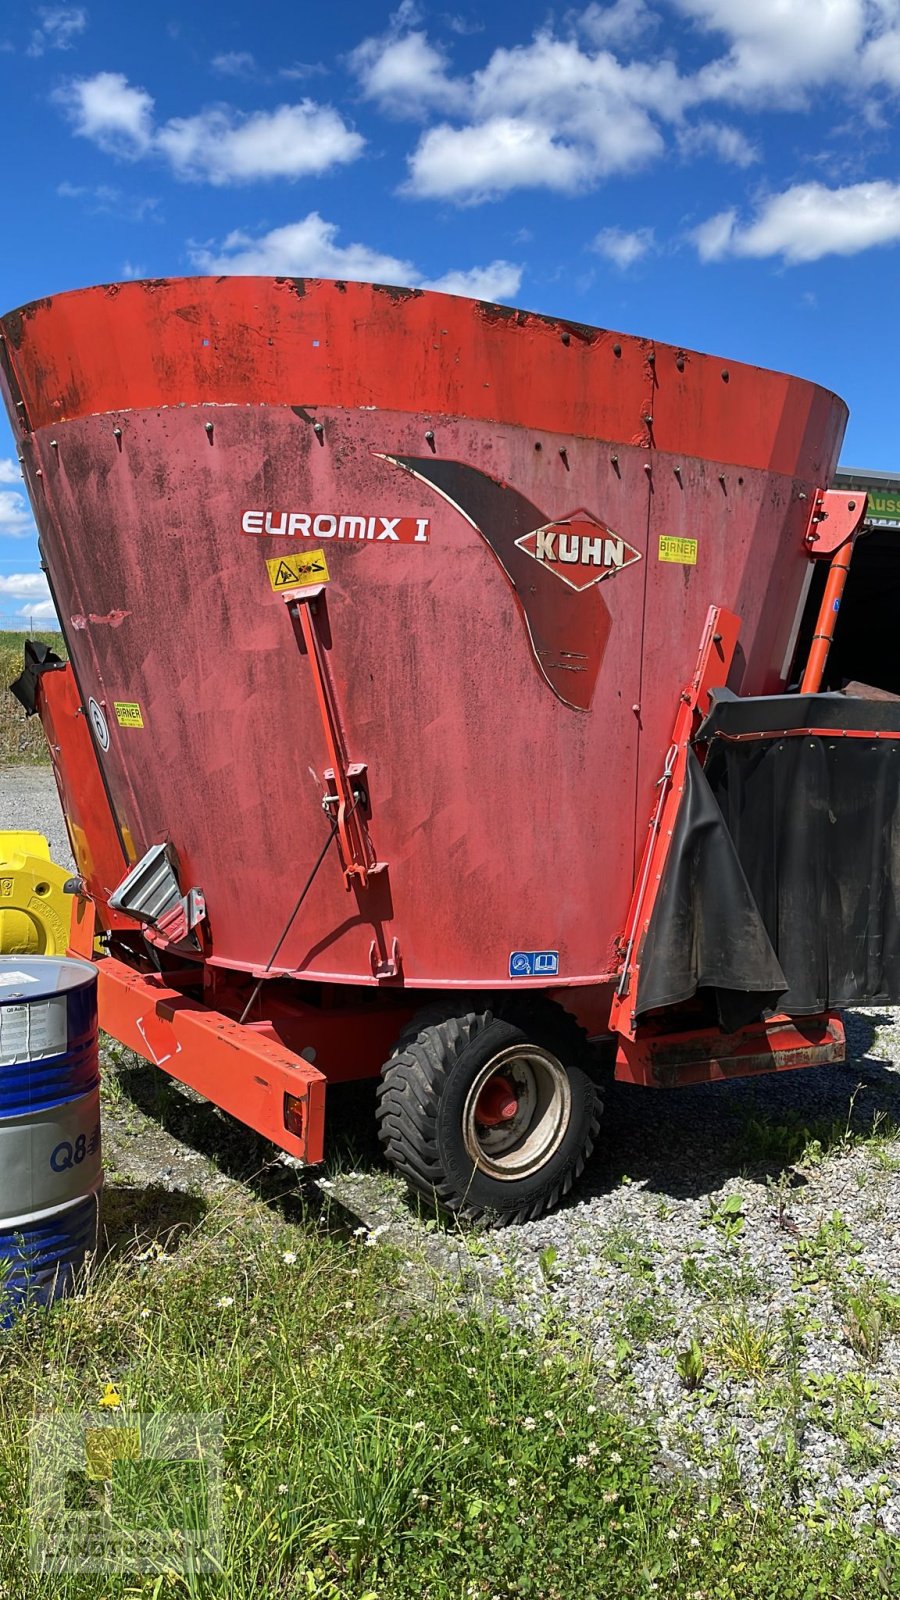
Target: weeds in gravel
column 795, row 1141
column 625, row 1250
column 727, row 1217
column 744, row 1348
column 644, row 1318
column 871, row 1314
column 721, row 1281
column 821, row 1256
column 691, row 1365
column 850, row 1408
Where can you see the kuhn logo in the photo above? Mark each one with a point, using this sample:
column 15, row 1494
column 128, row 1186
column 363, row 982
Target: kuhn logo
column 579, row 548
column 334, row 525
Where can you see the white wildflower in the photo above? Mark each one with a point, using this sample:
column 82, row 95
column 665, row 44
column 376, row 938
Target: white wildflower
column 529, row 1424
column 325, row 1183
column 513, row 1483
column 591, row 1410
column 289, row 1257
column 282, row 1488
column 226, row 1300
column 673, row 1534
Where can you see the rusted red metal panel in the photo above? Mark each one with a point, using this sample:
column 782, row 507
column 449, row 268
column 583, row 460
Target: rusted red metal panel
column 263, row 341
column 523, row 525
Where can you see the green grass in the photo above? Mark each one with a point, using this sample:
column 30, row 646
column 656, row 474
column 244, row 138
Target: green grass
column 377, row 1442
column 21, row 738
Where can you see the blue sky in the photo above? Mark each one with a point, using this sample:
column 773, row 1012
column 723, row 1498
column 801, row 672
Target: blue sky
column 716, row 173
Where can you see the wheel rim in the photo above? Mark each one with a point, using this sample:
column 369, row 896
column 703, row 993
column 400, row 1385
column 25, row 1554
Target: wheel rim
column 517, row 1112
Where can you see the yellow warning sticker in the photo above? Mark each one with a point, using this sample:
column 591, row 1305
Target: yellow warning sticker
column 299, row 570
column 684, row 551
column 128, row 714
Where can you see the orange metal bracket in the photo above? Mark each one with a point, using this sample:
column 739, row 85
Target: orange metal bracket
column 844, row 515
column 717, row 647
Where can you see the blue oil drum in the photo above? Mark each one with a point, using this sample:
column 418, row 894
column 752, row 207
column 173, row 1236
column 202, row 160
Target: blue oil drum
column 50, row 1168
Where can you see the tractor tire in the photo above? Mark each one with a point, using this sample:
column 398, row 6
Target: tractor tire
column 490, row 1114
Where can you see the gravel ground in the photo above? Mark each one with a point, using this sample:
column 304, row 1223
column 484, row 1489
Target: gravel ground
column 732, row 1253
column 28, row 799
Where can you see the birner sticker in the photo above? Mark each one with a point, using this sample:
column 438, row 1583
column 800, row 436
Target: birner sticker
column 336, row 525
column 128, row 714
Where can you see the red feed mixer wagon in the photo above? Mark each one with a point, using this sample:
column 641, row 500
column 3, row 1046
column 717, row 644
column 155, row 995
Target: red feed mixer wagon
column 432, row 709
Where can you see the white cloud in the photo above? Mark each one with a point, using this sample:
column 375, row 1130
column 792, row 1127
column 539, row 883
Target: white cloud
column 720, row 140
column 306, row 249
column 778, row 49
column 103, row 198
column 589, row 99
column 132, row 269
column 234, row 64
column 546, row 115
column 490, row 158
column 713, row 237
column 224, row 146
column 624, row 248
column 310, row 249
column 15, row 514
column 405, row 74
column 500, row 280
column 110, row 112
column 219, row 145
column 43, row 610
column 24, row 585
column 59, row 27
column 623, row 23
column 806, row 222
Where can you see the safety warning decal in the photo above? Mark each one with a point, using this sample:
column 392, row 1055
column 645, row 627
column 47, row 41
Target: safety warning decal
column 684, row 551
column 128, row 714
column 534, row 964
column 298, row 570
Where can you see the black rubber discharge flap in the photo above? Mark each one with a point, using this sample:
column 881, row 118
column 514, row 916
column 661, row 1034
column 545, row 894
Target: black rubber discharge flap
column 38, row 658
column 782, row 886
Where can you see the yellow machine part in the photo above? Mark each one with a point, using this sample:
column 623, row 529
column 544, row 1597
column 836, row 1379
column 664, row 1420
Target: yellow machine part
column 34, row 911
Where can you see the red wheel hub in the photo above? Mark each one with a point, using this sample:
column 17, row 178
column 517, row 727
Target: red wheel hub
column 497, row 1102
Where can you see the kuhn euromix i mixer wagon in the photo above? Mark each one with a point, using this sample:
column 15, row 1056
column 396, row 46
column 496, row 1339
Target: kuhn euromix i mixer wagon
column 426, row 710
